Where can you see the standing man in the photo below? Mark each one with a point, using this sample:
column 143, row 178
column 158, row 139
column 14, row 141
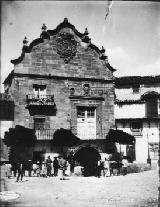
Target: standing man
column 62, row 167
column 124, row 165
column 55, row 166
column 30, row 168
column 106, row 168
column 72, row 165
column 21, row 169
column 48, row 165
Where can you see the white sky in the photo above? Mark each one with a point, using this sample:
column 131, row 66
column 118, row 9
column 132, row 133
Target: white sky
column 130, row 34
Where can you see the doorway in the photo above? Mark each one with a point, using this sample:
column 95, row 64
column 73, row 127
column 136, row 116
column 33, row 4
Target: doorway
column 86, row 122
column 88, row 158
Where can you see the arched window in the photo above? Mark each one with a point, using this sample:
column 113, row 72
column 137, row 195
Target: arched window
column 151, row 104
column 151, row 107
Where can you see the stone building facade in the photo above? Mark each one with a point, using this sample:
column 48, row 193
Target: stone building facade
column 137, row 112
column 62, row 80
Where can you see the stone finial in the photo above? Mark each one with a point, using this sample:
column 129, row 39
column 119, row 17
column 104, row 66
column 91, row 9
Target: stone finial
column 86, row 32
column 103, row 50
column 44, row 27
column 85, row 37
column 44, row 34
column 65, row 19
column 25, row 41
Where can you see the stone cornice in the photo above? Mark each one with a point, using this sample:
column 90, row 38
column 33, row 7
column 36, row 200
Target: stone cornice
column 10, row 76
column 138, row 119
column 87, row 97
column 127, row 102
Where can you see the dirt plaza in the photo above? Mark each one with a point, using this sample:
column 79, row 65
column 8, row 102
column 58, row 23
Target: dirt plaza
column 138, row 189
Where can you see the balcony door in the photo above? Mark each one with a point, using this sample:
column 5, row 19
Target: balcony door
column 39, row 90
column 86, row 122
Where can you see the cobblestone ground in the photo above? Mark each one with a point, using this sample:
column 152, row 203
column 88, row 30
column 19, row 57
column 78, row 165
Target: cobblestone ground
column 140, row 189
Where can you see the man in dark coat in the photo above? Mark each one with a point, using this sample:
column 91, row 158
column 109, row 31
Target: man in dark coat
column 48, row 165
column 55, row 166
column 21, row 170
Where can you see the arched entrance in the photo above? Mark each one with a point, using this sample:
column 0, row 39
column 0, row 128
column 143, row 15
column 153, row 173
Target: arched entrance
column 88, row 157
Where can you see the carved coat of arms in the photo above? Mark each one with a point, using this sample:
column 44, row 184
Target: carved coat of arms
column 66, row 46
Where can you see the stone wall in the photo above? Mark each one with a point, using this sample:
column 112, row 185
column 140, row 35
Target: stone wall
column 46, row 64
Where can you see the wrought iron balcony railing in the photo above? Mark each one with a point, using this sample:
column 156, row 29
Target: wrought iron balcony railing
column 32, row 99
column 136, row 132
column 44, row 134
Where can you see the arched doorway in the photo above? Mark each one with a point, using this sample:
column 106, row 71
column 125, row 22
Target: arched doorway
column 88, row 157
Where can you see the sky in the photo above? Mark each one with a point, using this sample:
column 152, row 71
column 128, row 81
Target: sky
column 130, row 34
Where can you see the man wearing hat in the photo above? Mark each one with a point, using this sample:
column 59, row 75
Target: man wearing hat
column 55, row 166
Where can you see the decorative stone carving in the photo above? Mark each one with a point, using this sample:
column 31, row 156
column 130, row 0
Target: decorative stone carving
column 86, row 90
column 72, row 91
column 66, row 46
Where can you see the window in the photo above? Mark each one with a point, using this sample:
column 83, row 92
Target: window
column 80, row 112
column 90, row 112
column 151, row 107
column 39, row 90
column 83, row 111
column 136, row 88
column 39, row 123
column 136, row 126
column 153, row 150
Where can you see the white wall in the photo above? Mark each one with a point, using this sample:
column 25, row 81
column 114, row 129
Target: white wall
column 141, row 149
column 4, row 126
column 148, row 135
column 129, row 111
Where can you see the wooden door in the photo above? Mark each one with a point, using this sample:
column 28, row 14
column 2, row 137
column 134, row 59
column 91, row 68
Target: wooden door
column 86, row 122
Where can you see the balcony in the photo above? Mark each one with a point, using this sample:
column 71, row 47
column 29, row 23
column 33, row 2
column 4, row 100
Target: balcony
column 137, row 133
column 44, row 134
column 40, row 99
column 41, row 105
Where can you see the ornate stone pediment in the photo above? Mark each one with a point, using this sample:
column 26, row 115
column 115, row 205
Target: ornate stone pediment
column 66, row 46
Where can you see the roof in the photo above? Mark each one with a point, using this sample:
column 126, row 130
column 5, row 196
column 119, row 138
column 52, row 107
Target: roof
column 8, row 80
column 46, row 34
column 133, row 80
column 124, row 89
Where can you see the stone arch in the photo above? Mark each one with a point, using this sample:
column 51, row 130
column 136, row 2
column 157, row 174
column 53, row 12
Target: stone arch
column 87, row 156
column 150, row 94
column 87, row 145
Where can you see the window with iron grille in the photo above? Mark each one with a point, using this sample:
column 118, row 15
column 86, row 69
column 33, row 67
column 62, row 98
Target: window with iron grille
column 39, row 123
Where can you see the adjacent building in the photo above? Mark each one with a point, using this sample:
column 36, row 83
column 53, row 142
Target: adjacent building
column 137, row 112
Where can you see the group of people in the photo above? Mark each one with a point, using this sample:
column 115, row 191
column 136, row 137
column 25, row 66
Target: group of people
column 44, row 169
column 59, row 166
column 109, row 168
